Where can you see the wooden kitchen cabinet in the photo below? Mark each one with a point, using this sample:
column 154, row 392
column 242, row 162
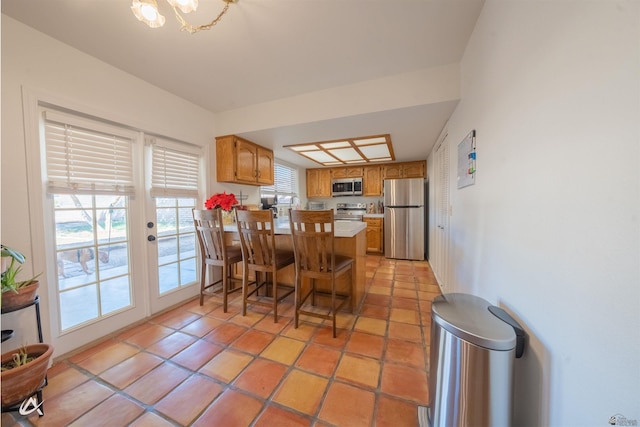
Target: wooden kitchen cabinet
column 375, row 235
column 404, row 170
column 347, row 172
column 319, row 179
column 243, row 162
column 319, row 182
column 372, row 181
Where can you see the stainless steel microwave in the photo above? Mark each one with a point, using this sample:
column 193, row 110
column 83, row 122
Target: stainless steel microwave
column 346, row 187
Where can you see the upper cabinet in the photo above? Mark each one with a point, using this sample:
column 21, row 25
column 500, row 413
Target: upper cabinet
column 404, row 170
column 319, row 182
column 372, row 181
column 319, row 179
column 347, row 172
column 243, row 162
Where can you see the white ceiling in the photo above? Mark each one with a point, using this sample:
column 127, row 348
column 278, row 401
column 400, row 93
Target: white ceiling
column 264, row 50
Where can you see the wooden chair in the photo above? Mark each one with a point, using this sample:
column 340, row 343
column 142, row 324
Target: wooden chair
column 260, row 256
column 313, row 245
column 214, row 251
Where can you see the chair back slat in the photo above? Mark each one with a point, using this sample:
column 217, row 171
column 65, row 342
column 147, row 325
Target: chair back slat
column 313, row 241
column 256, row 237
column 210, row 232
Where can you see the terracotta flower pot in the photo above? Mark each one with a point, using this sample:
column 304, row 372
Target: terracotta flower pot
column 25, row 295
column 19, row 383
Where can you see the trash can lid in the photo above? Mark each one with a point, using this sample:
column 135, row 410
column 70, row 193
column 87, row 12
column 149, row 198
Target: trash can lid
column 468, row 317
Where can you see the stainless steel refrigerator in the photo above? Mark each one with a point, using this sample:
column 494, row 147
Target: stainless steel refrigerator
column 404, row 217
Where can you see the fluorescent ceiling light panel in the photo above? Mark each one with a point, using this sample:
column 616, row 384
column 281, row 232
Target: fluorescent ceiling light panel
column 319, row 156
column 375, row 151
column 303, row 147
column 339, row 144
column 346, row 154
column 362, row 149
column 368, row 141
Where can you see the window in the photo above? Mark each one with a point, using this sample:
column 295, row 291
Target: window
column 285, row 184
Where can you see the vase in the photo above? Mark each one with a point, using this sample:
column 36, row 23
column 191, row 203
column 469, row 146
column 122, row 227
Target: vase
column 24, row 295
column 21, row 382
column 228, row 217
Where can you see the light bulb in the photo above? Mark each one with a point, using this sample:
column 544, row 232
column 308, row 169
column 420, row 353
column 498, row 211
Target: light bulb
column 149, row 12
column 185, row 6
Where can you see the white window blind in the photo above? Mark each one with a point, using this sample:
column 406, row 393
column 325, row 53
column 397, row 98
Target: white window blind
column 285, row 181
column 86, row 157
column 175, row 170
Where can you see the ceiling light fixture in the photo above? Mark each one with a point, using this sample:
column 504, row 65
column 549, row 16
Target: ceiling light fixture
column 347, row 151
column 147, row 12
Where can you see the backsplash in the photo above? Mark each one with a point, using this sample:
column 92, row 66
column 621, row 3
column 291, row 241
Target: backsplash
column 331, row 202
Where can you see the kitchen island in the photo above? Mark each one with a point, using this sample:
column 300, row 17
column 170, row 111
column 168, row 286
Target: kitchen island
column 350, row 240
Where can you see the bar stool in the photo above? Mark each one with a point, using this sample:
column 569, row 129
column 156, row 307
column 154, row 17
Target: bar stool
column 214, row 251
column 260, row 256
column 314, row 249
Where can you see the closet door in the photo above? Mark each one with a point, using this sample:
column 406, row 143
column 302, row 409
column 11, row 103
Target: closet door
column 440, row 258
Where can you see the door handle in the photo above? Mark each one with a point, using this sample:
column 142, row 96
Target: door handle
column 151, row 238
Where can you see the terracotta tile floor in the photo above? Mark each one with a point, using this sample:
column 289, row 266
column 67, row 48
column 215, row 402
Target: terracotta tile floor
column 199, row 366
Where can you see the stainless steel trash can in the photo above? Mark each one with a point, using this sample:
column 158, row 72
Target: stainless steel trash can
column 473, row 347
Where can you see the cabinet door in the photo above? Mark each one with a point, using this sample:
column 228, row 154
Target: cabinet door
column 265, row 166
column 413, row 170
column 312, row 183
column 247, row 159
column 392, row 171
column 354, row 172
column 338, row 172
column 225, row 158
column 372, row 181
column 374, row 241
column 318, row 183
column 324, row 182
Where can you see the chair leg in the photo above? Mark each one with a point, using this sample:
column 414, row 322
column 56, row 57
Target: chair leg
column 296, row 299
column 274, row 295
column 203, row 278
column 224, row 287
column 334, row 322
column 245, row 286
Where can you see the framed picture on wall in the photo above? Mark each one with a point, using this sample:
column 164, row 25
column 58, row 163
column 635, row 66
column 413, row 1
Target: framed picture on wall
column 467, row 160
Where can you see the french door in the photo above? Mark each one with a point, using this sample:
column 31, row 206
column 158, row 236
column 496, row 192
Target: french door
column 173, row 247
column 174, row 177
column 118, row 227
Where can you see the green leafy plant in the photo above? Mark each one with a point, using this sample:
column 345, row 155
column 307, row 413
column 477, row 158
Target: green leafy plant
column 17, row 359
column 10, row 274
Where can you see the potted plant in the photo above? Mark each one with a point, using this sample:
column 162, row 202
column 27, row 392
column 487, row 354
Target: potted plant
column 23, row 372
column 15, row 292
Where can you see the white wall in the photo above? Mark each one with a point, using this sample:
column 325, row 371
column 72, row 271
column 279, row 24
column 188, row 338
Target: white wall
column 550, row 230
column 34, row 61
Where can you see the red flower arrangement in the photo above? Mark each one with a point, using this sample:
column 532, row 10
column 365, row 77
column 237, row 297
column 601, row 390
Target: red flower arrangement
column 221, row 200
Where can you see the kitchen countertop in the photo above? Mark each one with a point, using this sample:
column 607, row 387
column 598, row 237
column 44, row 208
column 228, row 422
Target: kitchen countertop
column 342, row 228
column 376, row 215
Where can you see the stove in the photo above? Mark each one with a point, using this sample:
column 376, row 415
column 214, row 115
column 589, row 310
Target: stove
column 350, row 211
